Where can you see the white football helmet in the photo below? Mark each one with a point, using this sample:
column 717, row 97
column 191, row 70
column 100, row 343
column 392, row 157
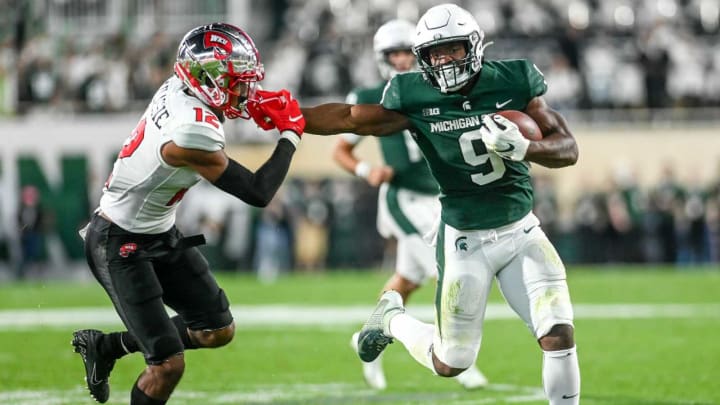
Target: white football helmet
column 443, row 24
column 394, row 35
column 213, row 59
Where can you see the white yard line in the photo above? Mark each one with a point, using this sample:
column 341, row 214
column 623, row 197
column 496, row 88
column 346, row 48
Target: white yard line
column 330, row 393
column 284, row 315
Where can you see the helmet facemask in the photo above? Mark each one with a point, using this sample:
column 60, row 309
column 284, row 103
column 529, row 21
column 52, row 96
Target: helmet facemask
column 242, row 86
column 453, row 75
column 214, row 62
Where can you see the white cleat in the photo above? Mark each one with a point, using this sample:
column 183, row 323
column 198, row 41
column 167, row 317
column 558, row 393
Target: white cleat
column 372, row 372
column 472, row 378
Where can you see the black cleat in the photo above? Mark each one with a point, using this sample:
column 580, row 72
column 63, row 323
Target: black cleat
column 97, row 367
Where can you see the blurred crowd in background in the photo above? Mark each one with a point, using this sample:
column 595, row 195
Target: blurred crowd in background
column 610, row 60
column 111, row 55
column 314, row 225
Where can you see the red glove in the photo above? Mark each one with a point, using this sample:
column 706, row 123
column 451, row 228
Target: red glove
column 277, row 109
column 262, row 120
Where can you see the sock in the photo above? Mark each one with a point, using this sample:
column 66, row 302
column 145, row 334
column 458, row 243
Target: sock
column 117, row 344
column 416, row 336
column 137, row 397
column 561, row 377
column 183, row 331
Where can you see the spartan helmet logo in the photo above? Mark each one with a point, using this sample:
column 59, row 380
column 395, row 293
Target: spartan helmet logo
column 466, row 106
column 461, row 244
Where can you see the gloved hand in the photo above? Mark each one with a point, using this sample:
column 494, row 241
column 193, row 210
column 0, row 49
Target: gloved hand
column 277, row 109
column 503, row 137
column 262, row 121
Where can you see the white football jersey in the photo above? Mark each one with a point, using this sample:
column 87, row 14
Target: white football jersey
column 143, row 191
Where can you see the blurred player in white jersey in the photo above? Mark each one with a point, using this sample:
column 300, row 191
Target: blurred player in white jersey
column 132, row 245
column 408, row 198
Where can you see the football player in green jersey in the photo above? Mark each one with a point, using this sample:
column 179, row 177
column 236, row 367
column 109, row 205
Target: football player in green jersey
column 487, row 230
column 408, row 196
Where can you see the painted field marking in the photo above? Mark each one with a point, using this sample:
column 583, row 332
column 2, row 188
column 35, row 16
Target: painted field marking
column 285, row 315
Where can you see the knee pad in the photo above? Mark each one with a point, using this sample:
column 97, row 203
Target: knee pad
column 552, row 308
column 456, row 355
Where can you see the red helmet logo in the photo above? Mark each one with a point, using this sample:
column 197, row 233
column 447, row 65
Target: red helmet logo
column 222, row 47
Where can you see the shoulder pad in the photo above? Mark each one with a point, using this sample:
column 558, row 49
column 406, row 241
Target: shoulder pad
column 194, row 136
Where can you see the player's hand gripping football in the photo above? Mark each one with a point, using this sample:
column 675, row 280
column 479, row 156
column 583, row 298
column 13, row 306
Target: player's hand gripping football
column 503, row 137
column 277, row 109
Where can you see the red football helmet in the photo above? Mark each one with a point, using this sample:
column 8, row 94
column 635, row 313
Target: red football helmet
column 213, row 60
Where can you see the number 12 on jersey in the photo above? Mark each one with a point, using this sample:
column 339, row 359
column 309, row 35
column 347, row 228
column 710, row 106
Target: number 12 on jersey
column 202, row 115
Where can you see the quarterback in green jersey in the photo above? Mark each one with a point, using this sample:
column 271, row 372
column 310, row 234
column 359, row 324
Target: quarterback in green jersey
column 408, row 195
column 487, row 229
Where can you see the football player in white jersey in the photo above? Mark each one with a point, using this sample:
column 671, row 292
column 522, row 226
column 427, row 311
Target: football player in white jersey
column 408, row 198
column 132, row 245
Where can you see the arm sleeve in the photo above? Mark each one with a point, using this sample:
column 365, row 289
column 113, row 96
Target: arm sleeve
column 258, row 188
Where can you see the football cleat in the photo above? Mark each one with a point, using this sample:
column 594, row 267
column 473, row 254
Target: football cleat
column 374, row 335
column 372, row 372
column 472, row 378
column 97, row 367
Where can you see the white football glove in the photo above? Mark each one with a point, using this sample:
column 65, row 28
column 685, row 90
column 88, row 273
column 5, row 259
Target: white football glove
column 503, row 137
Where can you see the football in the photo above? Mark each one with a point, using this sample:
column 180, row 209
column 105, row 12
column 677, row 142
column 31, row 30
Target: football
column 528, row 127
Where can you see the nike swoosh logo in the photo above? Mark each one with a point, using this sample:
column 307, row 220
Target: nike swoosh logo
column 529, row 229
column 570, row 396
column 93, row 377
column 510, row 148
column 500, row 105
column 295, row 119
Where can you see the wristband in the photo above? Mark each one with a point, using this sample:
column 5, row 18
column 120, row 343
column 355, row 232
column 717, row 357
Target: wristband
column 362, row 169
column 290, row 136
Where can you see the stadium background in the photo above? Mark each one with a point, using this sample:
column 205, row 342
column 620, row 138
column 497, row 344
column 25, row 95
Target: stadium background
column 639, row 82
column 637, row 79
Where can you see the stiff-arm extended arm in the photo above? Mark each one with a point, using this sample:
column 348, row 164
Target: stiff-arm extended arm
column 361, row 119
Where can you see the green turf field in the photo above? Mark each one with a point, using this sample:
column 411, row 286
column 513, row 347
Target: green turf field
column 645, row 337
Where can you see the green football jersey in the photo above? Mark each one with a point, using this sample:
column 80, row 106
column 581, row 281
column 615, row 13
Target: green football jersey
column 399, row 150
column 479, row 190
